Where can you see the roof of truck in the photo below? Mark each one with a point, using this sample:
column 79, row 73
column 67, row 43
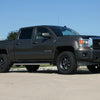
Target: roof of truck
column 41, row 26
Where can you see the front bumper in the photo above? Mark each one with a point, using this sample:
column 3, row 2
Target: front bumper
column 87, row 56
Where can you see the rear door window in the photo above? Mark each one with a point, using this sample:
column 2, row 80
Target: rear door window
column 26, row 33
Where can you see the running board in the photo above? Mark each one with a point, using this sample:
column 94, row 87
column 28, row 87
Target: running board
column 31, row 63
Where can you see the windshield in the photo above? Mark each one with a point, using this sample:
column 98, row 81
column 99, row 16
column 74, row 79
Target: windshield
column 61, row 31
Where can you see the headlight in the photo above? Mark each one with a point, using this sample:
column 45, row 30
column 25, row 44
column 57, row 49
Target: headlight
column 86, row 42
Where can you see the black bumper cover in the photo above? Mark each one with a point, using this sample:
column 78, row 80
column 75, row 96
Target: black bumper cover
column 88, row 56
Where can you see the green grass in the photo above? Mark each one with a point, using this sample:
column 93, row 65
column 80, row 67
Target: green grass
column 14, row 66
column 46, row 65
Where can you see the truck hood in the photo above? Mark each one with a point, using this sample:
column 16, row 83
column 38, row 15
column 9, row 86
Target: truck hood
column 89, row 36
column 82, row 36
column 75, row 37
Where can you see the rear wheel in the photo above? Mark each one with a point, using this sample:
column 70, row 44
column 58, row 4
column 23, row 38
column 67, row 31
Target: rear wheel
column 5, row 63
column 66, row 63
column 94, row 68
column 32, row 68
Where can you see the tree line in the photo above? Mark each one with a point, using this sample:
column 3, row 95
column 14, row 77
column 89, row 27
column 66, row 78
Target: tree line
column 12, row 35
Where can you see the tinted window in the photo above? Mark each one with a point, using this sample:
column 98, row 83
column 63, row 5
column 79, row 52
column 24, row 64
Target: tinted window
column 39, row 32
column 61, row 31
column 26, row 33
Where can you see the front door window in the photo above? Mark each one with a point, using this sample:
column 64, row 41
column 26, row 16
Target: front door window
column 39, row 32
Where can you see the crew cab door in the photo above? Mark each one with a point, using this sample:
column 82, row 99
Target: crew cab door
column 42, row 46
column 31, row 45
column 23, row 45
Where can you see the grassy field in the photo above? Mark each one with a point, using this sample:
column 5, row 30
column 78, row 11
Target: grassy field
column 81, row 67
column 14, row 66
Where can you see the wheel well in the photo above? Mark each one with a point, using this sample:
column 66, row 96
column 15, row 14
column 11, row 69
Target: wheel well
column 2, row 51
column 65, row 48
column 62, row 49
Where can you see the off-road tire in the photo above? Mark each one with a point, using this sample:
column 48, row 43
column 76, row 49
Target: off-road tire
column 5, row 63
column 66, row 63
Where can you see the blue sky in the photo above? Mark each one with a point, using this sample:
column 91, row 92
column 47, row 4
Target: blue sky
column 80, row 15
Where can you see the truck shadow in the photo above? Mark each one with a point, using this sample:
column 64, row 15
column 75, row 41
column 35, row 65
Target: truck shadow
column 80, row 72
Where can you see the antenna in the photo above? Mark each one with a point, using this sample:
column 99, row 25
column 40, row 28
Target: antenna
column 58, row 20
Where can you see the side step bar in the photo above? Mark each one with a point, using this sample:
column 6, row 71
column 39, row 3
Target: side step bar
column 31, row 63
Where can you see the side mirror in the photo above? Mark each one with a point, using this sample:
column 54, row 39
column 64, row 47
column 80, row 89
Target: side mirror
column 46, row 35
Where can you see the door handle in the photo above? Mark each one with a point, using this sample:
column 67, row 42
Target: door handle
column 35, row 43
column 18, row 43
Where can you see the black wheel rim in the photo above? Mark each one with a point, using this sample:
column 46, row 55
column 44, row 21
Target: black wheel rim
column 1, row 61
column 65, row 63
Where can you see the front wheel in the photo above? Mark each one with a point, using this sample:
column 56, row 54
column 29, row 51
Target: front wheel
column 94, row 68
column 32, row 68
column 66, row 63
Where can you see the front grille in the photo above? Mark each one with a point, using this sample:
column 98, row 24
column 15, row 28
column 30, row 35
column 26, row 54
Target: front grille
column 96, row 43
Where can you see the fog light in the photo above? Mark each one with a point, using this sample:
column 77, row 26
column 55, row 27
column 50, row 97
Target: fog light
column 84, row 54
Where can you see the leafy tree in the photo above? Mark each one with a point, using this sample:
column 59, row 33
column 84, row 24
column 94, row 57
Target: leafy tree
column 12, row 36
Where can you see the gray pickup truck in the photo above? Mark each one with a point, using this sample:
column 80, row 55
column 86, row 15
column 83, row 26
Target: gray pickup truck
column 56, row 45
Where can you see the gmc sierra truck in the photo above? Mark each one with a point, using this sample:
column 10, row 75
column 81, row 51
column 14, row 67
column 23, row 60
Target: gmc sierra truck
column 56, row 45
